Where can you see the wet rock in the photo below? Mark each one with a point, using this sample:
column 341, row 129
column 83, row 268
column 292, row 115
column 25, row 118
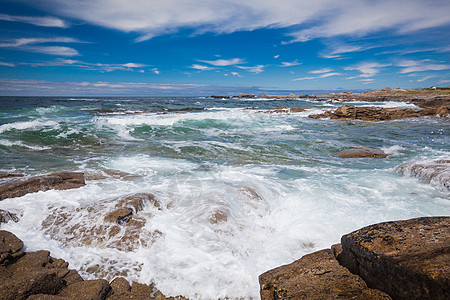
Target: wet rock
column 6, row 216
column 284, row 109
column 361, row 153
column 121, row 216
column 87, row 290
column 108, row 173
column 315, row 276
column 120, row 285
column 218, row 217
column 435, row 172
column 351, row 112
column 19, row 186
column 406, row 259
column 9, row 175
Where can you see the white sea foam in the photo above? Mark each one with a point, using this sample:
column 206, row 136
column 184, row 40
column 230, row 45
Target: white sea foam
column 28, row 125
column 8, row 143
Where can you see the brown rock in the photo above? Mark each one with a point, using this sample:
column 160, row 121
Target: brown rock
column 108, row 173
column 284, row 109
column 315, row 276
column 23, row 284
column 9, row 175
column 9, row 242
column 407, row 259
column 45, row 297
column 120, row 285
column 17, row 187
column 121, row 216
column 351, row 112
column 87, row 290
column 361, row 153
column 6, row 216
column 436, row 172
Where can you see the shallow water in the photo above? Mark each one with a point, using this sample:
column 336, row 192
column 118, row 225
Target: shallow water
column 240, row 191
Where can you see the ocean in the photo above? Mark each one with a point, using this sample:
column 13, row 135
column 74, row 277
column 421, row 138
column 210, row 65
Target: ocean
column 238, row 190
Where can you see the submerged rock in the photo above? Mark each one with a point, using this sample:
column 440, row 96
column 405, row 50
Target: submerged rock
column 406, row 259
column 315, row 276
column 361, row 153
column 351, row 112
column 19, row 186
column 436, row 172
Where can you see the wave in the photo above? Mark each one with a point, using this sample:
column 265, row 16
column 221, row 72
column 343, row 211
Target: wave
column 436, row 172
column 27, row 125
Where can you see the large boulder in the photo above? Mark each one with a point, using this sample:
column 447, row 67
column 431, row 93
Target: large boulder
column 18, row 186
column 315, row 276
column 407, row 259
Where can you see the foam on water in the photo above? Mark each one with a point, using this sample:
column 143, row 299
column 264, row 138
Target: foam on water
column 35, row 124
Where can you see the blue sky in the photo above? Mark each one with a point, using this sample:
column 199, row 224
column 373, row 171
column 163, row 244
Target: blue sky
column 175, row 47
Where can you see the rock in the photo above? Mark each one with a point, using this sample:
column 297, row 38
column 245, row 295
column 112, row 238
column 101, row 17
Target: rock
column 120, row 285
column 284, row 109
column 315, row 276
column 9, row 175
column 87, row 290
column 407, row 259
column 108, row 173
column 120, row 216
column 436, row 172
column 361, row 153
column 9, row 243
column 17, row 187
column 6, row 216
column 46, row 297
column 351, row 112
column 244, row 96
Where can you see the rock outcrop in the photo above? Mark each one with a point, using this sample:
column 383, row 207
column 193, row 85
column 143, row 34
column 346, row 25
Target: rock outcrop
column 284, row 109
column 351, row 112
column 436, row 172
column 38, row 276
column 403, row 259
column 361, row 153
column 407, row 259
column 17, row 186
column 315, row 276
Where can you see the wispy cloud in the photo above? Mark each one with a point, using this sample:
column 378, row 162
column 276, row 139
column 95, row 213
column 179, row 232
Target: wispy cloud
column 331, row 18
column 5, row 64
column 38, row 21
column 35, row 45
column 425, row 78
column 337, row 51
column 276, row 56
column 93, row 66
column 290, row 64
column 201, row 67
column 254, row 69
column 320, row 71
column 367, row 69
column 325, row 75
column 410, row 66
column 223, row 62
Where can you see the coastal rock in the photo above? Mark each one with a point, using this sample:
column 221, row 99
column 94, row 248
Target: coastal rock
column 406, row 259
column 19, row 186
column 108, row 173
column 6, row 216
column 9, row 243
column 9, row 175
column 435, row 172
column 315, row 276
column 284, row 109
column 361, row 153
column 351, row 112
column 87, row 290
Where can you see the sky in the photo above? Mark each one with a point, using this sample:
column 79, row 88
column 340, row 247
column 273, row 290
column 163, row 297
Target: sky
column 204, row 47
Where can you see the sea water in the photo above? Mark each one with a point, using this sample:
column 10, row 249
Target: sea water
column 239, row 190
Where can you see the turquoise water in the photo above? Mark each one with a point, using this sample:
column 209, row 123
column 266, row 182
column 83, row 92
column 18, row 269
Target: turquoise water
column 272, row 176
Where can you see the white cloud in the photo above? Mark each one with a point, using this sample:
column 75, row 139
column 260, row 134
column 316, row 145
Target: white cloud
column 325, row 75
column 93, row 66
column 201, row 67
column 444, row 81
column 38, row 21
column 425, row 78
column 235, row 74
column 368, row 69
column 224, row 62
column 5, row 64
column 34, row 45
column 326, row 70
column 319, row 18
column 410, row 66
column 290, row 64
column 255, row 69
column 276, row 56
